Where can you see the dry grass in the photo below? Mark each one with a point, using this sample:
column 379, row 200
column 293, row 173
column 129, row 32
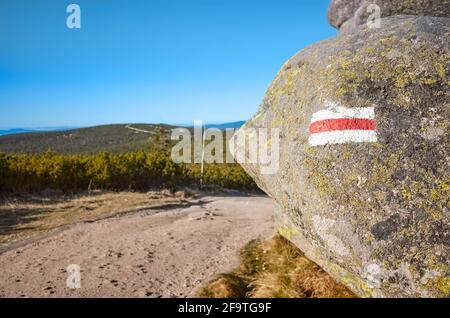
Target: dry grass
column 275, row 269
column 226, row 286
column 30, row 215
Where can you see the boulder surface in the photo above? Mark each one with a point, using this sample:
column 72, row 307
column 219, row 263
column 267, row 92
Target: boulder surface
column 363, row 184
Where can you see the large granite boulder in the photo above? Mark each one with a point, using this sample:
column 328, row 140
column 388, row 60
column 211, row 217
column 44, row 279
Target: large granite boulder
column 348, row 14
column 363, row 183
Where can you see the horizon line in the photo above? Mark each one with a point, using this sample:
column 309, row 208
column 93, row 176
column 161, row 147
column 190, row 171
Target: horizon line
column 121, row 123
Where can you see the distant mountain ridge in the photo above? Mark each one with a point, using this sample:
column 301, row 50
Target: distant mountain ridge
column 114, row 138
column 11, row 131
column 14, row 131
column 235, row 125
column 27, row 130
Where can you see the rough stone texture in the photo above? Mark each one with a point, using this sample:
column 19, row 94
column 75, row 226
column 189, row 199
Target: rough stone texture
column 341, row 11
column 376, row 216
column 347, row 14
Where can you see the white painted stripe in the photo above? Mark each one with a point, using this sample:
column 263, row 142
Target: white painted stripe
column 342, row 137
column 337, row 112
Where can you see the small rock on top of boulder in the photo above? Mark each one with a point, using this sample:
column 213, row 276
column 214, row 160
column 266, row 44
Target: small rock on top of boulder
column 347, row 14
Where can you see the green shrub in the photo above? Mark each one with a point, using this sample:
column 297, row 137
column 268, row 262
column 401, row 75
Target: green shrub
column 126, row 171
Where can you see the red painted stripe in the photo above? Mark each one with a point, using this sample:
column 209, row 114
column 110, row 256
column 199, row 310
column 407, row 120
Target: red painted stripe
column 342, row 124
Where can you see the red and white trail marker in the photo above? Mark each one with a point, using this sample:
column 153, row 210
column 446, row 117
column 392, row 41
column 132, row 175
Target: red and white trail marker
column 340, row 125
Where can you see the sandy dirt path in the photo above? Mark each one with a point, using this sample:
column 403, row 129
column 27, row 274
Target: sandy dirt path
column 162, row 253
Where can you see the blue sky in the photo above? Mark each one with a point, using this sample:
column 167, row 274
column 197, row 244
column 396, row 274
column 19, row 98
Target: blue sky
column 152, row 61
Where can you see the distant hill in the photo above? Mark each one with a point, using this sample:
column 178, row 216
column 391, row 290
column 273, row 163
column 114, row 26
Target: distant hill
column 112, row 138
column 235, row 125
column 24, row 130
column 14, row 131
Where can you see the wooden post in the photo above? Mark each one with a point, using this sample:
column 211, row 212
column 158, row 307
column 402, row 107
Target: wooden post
column 203, row 157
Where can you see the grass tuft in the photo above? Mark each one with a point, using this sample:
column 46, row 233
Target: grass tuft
column 226, row 286
column 274, row 269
